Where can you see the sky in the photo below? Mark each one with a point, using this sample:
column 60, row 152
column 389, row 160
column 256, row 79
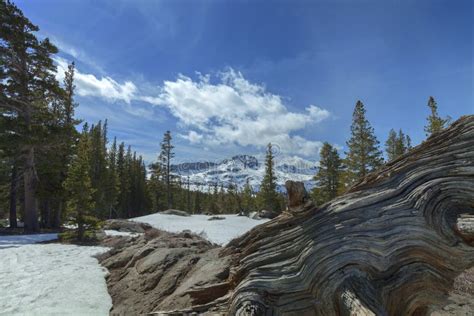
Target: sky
column 228, row 77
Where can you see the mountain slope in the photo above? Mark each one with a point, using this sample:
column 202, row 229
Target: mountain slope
column 242, row 168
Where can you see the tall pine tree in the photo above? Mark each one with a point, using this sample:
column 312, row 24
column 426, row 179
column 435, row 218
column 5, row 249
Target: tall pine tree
column 328, row 177
column 391, row 145
column 397, row 144
column 268, row 195
column 435, row 122
column 79, row 186
column 27, row 88
column 166, row 155
column 364, row 155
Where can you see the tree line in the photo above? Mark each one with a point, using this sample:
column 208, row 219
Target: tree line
column 335, row 174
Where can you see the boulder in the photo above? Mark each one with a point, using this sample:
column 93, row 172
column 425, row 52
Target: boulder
column 123, row 225
column 215, row 218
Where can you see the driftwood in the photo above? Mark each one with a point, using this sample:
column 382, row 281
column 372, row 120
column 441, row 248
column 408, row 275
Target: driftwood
column 391, row 246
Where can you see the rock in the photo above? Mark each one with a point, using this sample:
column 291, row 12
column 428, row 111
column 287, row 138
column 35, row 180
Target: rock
column 123, row 225
column 175, row 212
column 162, row 270
column 214, row 218
column 267, row 214
column 254, row 215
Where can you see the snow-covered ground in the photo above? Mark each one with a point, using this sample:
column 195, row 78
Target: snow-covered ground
column 56, row 279
column 50, row 279
column 111, row 232
column 217, row 231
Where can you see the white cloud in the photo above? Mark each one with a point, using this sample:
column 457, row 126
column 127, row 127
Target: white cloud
column 192, row 137
column 236, row 111
column 105, row 87
column 231, row 111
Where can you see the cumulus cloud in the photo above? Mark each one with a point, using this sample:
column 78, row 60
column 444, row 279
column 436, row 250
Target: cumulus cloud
column 192, row 137
column 236, row 111
column 228, row 110
column 104, row 87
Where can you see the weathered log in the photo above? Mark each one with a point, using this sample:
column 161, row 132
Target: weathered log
column 391, row 246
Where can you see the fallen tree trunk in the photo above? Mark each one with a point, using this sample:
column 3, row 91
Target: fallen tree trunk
column 391, row 246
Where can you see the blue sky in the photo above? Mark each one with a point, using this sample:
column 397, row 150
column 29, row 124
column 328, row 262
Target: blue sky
column 227, row 77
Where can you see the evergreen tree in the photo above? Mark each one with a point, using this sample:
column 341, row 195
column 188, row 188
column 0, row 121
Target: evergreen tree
column 79, row 186
column 397, row 144
column 401, row 145
column 364, row 155
column 268, row 196
column 391, row 144
column 27, row 88
column 166, row 156
column 408, row 142
column 156, row 187
column 68, row 136
column 112, row 189
column 328, row 177
column 435, row 122
column 124, row 186
column 248, row 200
column 98, row 164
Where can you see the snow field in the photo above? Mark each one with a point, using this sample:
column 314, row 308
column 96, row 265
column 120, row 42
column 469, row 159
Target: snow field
column 50, row 279
column 216, row 231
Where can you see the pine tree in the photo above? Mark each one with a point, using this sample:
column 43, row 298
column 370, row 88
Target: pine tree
column 79, row 186
column 124, row 187
column 248, row 200
column 112, row 189
column 364, row 155
column 401, row 145
column 68, row 136
column 98, row 164
column 328, row 177
column 166, row 156
column 267, row 195
column 27, row 86
column 435, row 122
column 408, row 142
column 391, row 144
column 397, row 144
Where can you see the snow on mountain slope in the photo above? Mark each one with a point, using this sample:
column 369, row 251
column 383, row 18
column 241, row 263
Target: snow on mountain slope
column 242, row 168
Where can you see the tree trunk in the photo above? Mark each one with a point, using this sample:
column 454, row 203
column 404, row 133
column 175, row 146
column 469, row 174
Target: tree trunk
column 391, row 246
column 31, row 212
column 80, row 226
column 57, row 215
column 48, row 216
column 13, row 199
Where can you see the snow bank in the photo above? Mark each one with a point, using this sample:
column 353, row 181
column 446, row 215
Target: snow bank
column 50, row 279
column 219, row 232
column 111, row 232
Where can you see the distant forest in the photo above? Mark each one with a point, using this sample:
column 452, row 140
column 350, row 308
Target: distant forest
column 51, row 173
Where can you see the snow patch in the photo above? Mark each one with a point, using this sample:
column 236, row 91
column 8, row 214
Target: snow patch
column 219, row 232
column 51, row 279
column 111, row 232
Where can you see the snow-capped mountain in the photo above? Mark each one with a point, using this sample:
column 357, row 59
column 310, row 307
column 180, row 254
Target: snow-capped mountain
column 242, row 168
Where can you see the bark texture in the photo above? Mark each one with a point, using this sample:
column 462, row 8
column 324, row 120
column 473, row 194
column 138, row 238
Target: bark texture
column 393, row 245
column 389, row 247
